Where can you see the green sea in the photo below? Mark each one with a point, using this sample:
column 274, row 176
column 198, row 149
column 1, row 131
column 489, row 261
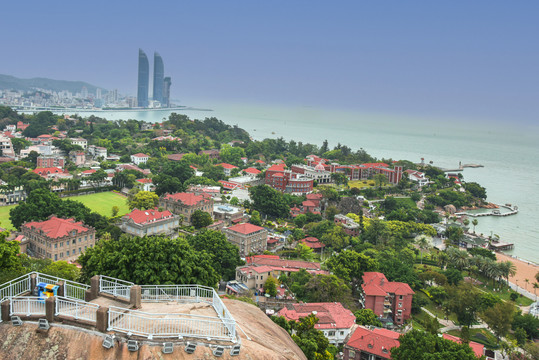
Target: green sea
column 509, row 152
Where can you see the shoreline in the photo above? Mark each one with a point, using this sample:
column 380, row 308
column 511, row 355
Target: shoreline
column 525, row 270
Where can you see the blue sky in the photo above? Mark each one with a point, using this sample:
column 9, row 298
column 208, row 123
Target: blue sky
column 468, row 59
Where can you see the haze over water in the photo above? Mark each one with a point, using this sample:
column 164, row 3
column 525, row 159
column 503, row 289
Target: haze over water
column 509, row 152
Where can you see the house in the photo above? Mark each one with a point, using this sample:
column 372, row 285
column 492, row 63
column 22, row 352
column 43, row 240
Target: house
column 6, row 148
column 22, row 126
column 259, row 267
column 150, row 222
column 247, row 237
column 417, row 176
column 77, row 157
column 349, row 226
column 212, row 154
column 391, row 301
column 45, row 161
column 80, row 142
column 57, row 238
column 313, row 243
column 227, row 168
column 288, row 181
column 185, row 204
column 227, row 213
column 251, row 172
column 49, row 172
column 139, row 158
column 335, row 321
column 175, row 157
column 122, row 167
column 370, row 344
column 97, row 151
column 146, row 184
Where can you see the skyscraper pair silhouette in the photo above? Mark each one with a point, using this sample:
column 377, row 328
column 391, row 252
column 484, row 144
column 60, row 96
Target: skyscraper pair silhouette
column 161, row 84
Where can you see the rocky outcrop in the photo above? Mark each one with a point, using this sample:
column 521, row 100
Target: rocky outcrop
column 268, row 342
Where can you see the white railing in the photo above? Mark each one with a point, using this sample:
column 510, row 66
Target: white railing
column 76, row 309
column 223, row 314
column 179, row 293
column 27, row 306
column 116, row 287
column 72, row 289
column 15, row 287
column 153, row 325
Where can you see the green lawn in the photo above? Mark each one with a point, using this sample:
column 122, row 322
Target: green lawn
column 4, row 217
column 101, row 203
column 361, row 183
column 482, row 336
column 406, row 202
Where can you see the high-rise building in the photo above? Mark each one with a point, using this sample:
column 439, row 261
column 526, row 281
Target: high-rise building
column 166, row 91
column 98, row 93
column 158, row 74
column 143, row 79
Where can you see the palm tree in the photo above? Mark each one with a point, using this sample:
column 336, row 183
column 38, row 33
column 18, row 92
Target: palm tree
column 508, row 269
column 424, row 242
column 459, row 258
column 526, row 281
column 474, row 223
column 466, row 222
column 535, row 287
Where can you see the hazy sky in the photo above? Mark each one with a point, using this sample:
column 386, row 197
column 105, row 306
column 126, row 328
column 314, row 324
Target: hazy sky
column 471, row 59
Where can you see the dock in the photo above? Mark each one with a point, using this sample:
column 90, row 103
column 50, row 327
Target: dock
column 513, row 209
column 462, row 167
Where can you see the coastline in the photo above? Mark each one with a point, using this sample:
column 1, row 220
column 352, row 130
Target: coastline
column 525, row 270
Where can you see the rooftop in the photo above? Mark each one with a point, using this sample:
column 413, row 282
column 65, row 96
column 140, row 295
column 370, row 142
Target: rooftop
column 246, row 228
column 56, row 227
column 331, row 315
column 378, row 341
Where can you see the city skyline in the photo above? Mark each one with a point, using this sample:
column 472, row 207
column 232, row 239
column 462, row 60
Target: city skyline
column 465, row 60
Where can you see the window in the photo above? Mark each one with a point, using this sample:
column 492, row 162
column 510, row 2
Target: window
column 67, row 243
column 56, row 246
column 400, row 305
column 332, row 333
column 61, row 244
column 67, row 253
column 400, row 297
column 351, row 354
column 74, row 241
column 80, row 250
column 55, row 257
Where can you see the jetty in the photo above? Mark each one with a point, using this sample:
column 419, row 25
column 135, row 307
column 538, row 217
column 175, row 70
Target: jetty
column 513, row 209
column 462, row 167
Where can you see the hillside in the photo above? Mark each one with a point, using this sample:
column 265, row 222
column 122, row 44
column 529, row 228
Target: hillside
column 9, row 82
column 268, row 342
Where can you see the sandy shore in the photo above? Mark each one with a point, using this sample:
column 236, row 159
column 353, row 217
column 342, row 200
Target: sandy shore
column 525, row 270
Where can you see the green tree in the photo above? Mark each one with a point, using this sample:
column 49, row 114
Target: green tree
column 232, row 155
column 115, row 210
column 327, row 288
column 474, row 223
column 201, row 219
column 367, row 317
column 304, row 252
column 499, row 318
column 63, row 269
column 269, row 201
column 528, row 322
column 167, row 184
column 255, row 218
column 476, row 190
column 380, row 180
column 225, row 255
column 149, row 260
column 270, row 286
column 300, row 220
column 350, row 266
column 464, row 302
column 336, row 238
column 418, row 345
column 10, row 263
column 144, row 200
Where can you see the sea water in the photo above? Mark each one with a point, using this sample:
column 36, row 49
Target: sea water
column 508, row 152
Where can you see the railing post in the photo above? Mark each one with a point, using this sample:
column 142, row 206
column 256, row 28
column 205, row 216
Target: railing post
column 61, row 288
column 102, row 319
column 135, row 296
column 93, row 292
column 33, row 282
column 50, row 307
column 5, row 310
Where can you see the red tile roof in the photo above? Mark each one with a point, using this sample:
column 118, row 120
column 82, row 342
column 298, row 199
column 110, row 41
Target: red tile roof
column 376, row 284
column 246, row 228
column 369, row 165
column 227, row 166
column 47, row 171
column 252, row 170
column 147, row 216
column 308, row 203
column 317, row 196
column 374, row 342
column 175, row 157
column 312, row 242
column 477, row 348
column 145, row 181
column 228, row 185
column 188, row 199
column 140, row 155
column 56, row 227
column 277, row 167
column 330, row 315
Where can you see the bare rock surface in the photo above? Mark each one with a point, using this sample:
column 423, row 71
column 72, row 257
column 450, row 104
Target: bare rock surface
column 268, row 341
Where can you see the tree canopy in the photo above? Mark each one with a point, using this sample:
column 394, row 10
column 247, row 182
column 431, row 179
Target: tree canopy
column 149, row 260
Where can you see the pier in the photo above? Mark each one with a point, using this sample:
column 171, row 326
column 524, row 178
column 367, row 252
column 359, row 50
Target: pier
column 512, row 211
column 462, row 167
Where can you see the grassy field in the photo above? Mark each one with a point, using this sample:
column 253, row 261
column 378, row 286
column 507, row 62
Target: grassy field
column 101, row 203
column 361, row 183
column 4, row 217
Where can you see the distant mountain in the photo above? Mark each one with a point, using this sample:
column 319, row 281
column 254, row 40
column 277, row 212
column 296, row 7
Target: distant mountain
column 8, row 82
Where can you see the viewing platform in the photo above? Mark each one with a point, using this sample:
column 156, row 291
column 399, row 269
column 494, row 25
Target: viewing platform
column 513, row 210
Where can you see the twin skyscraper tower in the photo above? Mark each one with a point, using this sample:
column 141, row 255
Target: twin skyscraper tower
column 161, row 84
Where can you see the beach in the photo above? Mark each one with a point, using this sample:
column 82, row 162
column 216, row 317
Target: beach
column 525, row 270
